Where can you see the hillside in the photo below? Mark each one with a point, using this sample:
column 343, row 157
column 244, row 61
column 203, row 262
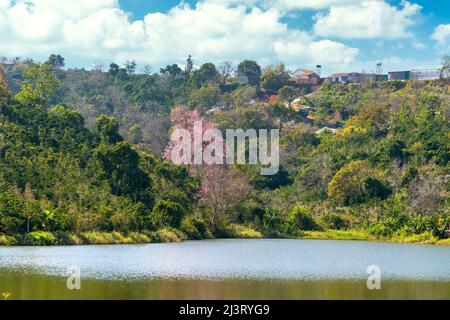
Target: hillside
column 82, row 157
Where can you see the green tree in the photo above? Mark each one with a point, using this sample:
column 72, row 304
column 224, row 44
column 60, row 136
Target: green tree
column 355, row 183
column 120, row 165
column 108, row 130
column 274, row 78
column 40, row 86
column 189, row 65
column 56, row 61
column 114, row 69
column 205, row 97
column 130, row 67
column 300, row 219
column 288, row 94
column 172, row 70
column 207, row 74
column 251, row 70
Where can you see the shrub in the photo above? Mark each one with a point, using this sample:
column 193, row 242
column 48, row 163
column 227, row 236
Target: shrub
column 333, row 221
column 170, row 235
column 380, row 230
column 7, row 240
column 374, row 188
column 104, row 238
column 64, row 238
column 436, row 224
column 240, row 231
column 194, row 228
column 273, row 220
column 40, row 238
column 137, row 237
column 300, row 219
column 166, row 213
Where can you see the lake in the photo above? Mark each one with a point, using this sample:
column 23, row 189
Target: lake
column 228, row 269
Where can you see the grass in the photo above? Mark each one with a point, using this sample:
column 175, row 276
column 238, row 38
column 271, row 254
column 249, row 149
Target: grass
column 63, row 238
column 166, row 235
column 170, row 235
column 240, row 231
column 424, row 238
column 338, row 235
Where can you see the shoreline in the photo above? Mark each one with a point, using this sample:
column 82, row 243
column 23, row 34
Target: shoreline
column 162, row 236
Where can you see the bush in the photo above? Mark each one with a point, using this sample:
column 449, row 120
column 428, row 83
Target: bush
column 64, row 238
column 166, row 213
column 380, row 230
column 436, row 224
column 194, row 228
column 240, row 231
column 137, row 237
column 333, row 221
column 7, row 240
column 40, row 238
column 273, row 220
column 300, row 219
column 374, row 188
column 104, row 238
column 170, row 235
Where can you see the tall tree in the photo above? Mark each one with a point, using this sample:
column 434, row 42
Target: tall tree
column 274, row 78
column 251, row 70
column 222, row 189
column 288, row 94
column 108, row 130
column 114, row 69
column 189, row 65
column 40, row 85
column 120, row 165
column 130, row 67
column 207, row 74
column 56, row 61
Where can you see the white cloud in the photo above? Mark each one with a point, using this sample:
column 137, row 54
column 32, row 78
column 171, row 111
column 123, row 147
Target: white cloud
column 100, row 30
column 287, row 4
column 321, row 52
column 442, row 36
column 368, row 20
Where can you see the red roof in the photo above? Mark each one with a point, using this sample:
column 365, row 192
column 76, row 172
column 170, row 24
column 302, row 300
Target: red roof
column 307, row 72
column 273, row 99
column 303, row 72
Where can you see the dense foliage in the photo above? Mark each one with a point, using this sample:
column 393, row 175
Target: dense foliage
column 81, row 156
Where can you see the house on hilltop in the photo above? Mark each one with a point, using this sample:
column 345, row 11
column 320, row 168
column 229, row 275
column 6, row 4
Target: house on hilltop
column 341, row 78
column 303, row 76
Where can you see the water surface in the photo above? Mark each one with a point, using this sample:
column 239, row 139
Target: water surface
column 229, row 269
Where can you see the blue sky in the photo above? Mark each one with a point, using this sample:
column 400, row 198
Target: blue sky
column 341, row 35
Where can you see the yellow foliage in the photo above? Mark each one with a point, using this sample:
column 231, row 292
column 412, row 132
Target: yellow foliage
column 347, row 185
column 350, row 130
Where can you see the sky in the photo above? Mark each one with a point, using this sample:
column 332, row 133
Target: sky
column 340, row 35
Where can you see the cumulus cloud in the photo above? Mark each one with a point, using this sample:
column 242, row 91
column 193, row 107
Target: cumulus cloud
column 288, row 4
column 442, row 36
column 211, row 31
column 367, row 20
